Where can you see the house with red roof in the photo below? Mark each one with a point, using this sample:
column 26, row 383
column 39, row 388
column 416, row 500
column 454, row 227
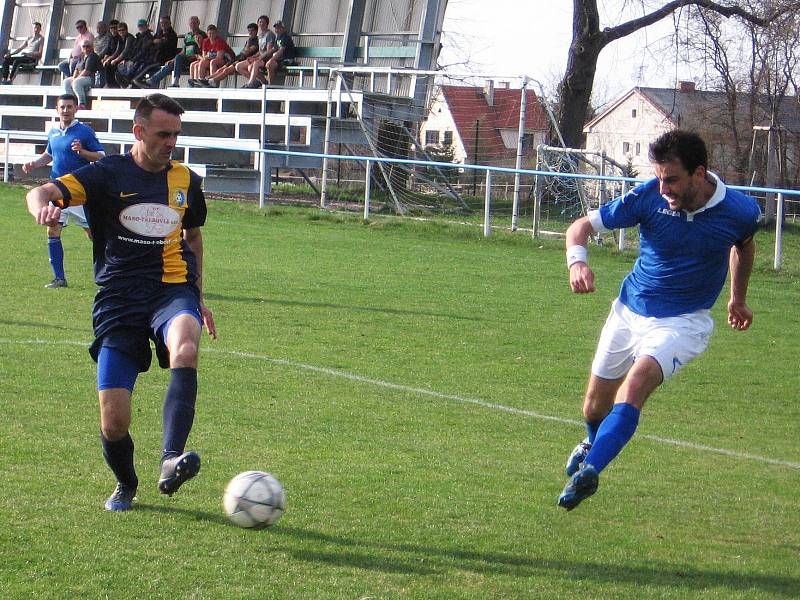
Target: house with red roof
column 482, row 124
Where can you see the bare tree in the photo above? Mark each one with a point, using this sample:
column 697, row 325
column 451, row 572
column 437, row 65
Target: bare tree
column 588, row 40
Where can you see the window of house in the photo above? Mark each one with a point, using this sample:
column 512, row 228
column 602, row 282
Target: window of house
column 638, row 148
column 626, row 147
column 448, row 138
column 432, row 136
column 633, row 113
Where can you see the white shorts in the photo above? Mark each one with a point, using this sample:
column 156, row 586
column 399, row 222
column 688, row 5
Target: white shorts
column 74, row 214
column 671, row 341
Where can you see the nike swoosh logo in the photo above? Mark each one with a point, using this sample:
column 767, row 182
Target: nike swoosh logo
column 128, row 195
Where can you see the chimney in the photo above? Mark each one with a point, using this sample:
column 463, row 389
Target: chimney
column 685, row 86
column 488, row 91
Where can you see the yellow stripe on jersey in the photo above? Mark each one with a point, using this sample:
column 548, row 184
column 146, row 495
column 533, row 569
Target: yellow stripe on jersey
column 175, row 267
column 76, row 190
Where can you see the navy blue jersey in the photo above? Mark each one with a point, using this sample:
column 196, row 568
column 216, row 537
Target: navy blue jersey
column 137, row 218
column 683, row 257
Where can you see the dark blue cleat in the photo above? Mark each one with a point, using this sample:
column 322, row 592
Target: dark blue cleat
column 582, row 485
column 577, row 457
column 177, row 470
column 121, row 499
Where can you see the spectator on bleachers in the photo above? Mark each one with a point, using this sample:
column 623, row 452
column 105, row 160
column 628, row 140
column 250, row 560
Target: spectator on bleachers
column 251, row 68
column 28, row 54
column 67, row 66
column 111, row 48
column 284, row 54
column 82, row 78
column 102, row 41
column 141, row 56
column 216, row 54
column 191, row 52
column 165, row 48
column 123, row 51
column 250, row 49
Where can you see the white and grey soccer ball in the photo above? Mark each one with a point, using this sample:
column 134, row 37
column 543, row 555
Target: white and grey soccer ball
column 254, row 499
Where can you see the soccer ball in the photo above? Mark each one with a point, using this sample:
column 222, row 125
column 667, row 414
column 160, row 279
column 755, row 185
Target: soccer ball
column 254, row 499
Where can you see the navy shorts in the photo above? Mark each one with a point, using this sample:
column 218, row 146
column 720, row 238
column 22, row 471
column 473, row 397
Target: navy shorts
column 127, row 315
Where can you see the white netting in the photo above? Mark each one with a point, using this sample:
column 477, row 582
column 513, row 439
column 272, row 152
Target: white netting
column 461, row 124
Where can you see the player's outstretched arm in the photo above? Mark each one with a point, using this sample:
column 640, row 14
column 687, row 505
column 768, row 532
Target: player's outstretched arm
column 581, row 277
column 740, row 316
column 41, row 205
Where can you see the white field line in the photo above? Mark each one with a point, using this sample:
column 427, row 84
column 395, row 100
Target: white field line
column 451, row 397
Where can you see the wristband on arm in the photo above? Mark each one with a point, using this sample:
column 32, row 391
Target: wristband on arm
column 576, row 254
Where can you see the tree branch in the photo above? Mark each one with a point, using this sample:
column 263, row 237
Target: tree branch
column 609, row 34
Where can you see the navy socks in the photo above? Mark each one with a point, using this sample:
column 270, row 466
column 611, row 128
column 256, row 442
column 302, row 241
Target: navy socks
column 179, row 410
column 612, row 434
column 119, row 456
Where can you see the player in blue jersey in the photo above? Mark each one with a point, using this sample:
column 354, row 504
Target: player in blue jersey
column 70, row 146
column 692, row 231
column 145, row 212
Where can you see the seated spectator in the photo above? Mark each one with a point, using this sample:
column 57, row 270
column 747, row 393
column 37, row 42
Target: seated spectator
column 124, row 50
column 67, row 66
column 165, row 48
column 250, row 49
column 141, row 56
column 216, row 54
column 82, row 79
column 284, row 54
column 28, row 54
column 251, row 68
column 111, row 49
column 101, row 43
column 191, row 52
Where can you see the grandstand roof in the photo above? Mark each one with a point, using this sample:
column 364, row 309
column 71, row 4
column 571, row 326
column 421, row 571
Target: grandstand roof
column 470, row 105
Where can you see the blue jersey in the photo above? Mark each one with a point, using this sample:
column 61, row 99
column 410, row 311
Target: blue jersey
column 683, row 257
column 137, row 218
column 59, row 146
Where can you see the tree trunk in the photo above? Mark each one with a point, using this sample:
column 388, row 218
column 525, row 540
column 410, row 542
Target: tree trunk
column 588, row 41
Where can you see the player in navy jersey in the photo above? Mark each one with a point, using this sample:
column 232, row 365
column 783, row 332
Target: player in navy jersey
column 70, row 146
column 692, row 231
column 145, row 212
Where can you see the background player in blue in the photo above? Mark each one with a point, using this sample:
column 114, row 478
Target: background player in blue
column 70, row 146
column 145, row 213
column 692, row 229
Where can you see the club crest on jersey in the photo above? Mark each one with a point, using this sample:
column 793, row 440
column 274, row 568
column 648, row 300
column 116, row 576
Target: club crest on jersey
column 180, row 198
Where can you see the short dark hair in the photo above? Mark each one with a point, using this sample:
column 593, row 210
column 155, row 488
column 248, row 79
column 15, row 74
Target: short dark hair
column 122, row 24
column 211, row 28
column 252, row 26
column 113, row 23
column 263, row 17
column 684, row 146
column 65, row 97
column 153, row 102
column 80, row 22
column 36, row 23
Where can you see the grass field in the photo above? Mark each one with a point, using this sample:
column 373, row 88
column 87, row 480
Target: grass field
column 416, row 389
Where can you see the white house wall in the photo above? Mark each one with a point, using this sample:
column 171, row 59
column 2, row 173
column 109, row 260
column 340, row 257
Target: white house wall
column 441, row 119
column 620, row 127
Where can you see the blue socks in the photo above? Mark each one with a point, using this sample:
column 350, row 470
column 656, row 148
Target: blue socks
column 119, row 456
column 56, row 252
column 179, row 410
column 612, row 434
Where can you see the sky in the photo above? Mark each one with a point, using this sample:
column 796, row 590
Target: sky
column 532, row 37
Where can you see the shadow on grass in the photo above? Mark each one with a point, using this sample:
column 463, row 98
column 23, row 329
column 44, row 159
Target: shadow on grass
column 388, row 311
column 197, row 515
column 41, row 324
column 431, row 560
